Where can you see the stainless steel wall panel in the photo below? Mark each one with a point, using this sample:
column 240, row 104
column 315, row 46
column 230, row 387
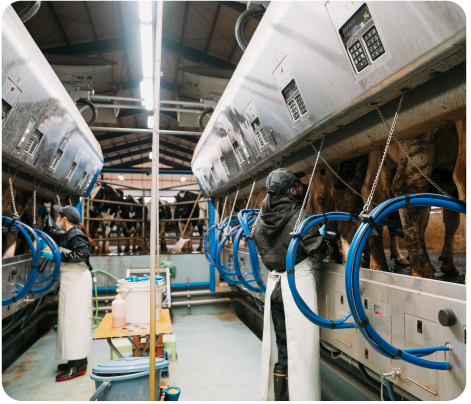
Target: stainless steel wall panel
column 43, row 133
column 301, row 41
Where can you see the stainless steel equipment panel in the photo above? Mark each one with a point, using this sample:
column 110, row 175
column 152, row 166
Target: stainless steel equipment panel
column 404, row 311
column 43, row 133
column 300, row 75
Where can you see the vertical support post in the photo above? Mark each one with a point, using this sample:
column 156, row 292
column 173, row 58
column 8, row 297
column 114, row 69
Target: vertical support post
column 143, row 225
column 154, row 222
column 87, row 214
column 212, row 241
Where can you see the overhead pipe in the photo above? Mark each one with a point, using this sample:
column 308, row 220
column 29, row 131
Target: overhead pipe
column 29, row 11
column 243, row 18
column 132, row 99
column 171, row 109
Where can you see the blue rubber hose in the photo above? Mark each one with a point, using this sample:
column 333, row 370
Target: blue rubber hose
column 245, row 221
column 389, row 386
column 222, row 268
column 305, row 225
column 57, row 263
column 352, row 273
column 24, row 230
column 237, row 239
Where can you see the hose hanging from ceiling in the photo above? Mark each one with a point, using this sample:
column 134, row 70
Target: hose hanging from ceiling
column 29, row 11
column 92, row 107
column 243, row 18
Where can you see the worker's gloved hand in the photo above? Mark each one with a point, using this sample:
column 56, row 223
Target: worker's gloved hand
column 43, row 244
column 47, row 254
column 322, row 230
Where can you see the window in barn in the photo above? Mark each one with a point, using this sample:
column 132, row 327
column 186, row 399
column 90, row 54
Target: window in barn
column 82, row 180
column 5, row 109
column 238, row 153
column 216, row 178
column 25, row 135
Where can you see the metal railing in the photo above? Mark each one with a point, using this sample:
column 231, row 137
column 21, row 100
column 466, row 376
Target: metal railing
column 86, row 205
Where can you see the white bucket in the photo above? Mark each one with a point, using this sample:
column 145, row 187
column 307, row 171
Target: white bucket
column 137, row 297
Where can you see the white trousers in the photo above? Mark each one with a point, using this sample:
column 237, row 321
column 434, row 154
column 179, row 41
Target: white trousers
column 302, row 338
column 74, row 337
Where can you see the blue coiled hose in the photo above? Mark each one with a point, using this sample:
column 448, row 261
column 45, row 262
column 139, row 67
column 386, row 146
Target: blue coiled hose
column 57, row 260
column 245, row 229
column 352, row 273
column 24, row 230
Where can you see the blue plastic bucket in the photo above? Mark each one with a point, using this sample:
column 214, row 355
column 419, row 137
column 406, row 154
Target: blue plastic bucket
column 169, row 396
column 125, row 379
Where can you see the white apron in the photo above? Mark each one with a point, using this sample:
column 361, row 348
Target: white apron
column 74, row 338
column 304, row 382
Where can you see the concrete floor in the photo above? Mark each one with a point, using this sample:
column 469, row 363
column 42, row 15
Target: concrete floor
column 218, row 359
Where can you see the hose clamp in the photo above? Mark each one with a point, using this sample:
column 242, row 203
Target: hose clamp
column 398, row 355
column 406, row 201
column 363, row 323
column 290, row 271
column 366, row 218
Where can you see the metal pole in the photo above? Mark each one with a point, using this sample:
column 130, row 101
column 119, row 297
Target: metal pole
column 168, row 102
column 212, row 241
column 154, row 223
column 136, row 130
column 172, row 109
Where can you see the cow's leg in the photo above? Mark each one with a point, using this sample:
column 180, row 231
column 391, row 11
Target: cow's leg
column 126, row 242
column 107, row 235
column 396, row 252
column 415, row 220
column 459, row 174
column 377, row 257
column 100, row 236
column 451, row 219
column 10, row 244
column 163, row 244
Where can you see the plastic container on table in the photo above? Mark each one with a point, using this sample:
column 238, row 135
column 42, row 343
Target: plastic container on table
column 118, row 311
column 137, row 297
column 125, row 379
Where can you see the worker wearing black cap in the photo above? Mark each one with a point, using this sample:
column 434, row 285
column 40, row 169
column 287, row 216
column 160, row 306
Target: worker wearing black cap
column 290, row 368
column 75, row 294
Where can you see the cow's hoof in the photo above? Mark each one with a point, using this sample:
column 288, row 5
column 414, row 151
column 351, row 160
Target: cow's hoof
column 449, row 269
column 401, row 261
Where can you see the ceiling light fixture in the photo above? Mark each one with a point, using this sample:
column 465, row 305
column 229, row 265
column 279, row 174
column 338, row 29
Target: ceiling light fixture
column 183, row 179
column 120, row 177
column 147, row 54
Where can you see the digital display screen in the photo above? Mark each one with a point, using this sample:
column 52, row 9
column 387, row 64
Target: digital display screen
column 290, row 89
column 354, row 24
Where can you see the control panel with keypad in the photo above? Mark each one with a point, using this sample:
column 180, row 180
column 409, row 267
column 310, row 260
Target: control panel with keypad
column 374, row 44
column 361, row 39
column 294, row 101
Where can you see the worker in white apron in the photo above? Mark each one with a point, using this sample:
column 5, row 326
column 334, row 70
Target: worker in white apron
column 74, row 338
column 290, row 349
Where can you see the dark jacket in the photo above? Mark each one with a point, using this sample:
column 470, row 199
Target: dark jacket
column 272, row 234
column 75, row 241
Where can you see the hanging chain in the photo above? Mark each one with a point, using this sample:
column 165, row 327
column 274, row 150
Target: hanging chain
column 375, row 183
column 251, row 192
column 15, row 213
column 226, row 230
column 34, row 209
column 339, row 177
column 58, row 198
column 16, row 172
column 298, row 221
column 410, row 158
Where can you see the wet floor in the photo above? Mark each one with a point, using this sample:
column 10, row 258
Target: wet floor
column 459, row 260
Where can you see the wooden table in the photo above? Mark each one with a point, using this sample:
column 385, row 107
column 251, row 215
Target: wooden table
column 106, row 331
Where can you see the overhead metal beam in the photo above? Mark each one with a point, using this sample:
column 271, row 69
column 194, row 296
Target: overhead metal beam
column 129, row 154
column 135, row 83
column 146, row 160
column 144, row 130
column 90, row 21
column 213, row 25
column 114, row 44
column 58, row 22
column 238, row 6
column 164, row 153
column 146, row 170
column 145, row 142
